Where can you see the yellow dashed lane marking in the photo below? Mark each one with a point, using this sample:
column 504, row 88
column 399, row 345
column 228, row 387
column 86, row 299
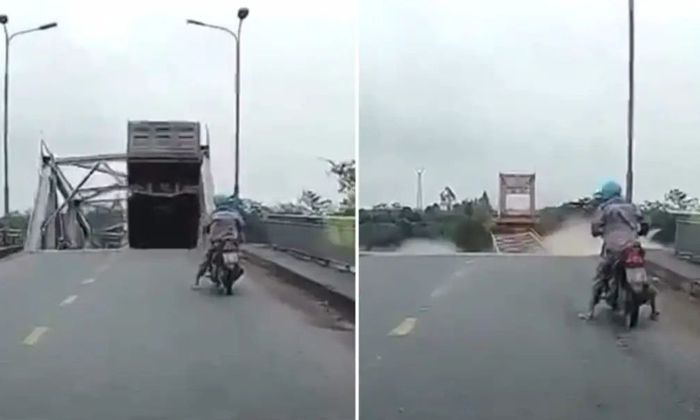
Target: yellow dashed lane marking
column 34, row 336
column 404, row 328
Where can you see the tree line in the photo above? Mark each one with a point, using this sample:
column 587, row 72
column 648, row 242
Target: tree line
column 466, row 223
column 309, row 202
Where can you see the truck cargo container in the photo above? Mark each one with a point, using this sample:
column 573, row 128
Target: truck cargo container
column 164, row 160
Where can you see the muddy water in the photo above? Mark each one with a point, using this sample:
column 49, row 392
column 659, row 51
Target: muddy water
column 421, row 247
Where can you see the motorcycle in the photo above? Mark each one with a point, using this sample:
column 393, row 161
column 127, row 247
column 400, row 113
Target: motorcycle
column 226, row 268
column 630, row 284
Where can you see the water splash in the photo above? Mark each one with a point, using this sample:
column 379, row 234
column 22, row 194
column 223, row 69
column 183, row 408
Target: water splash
column 574, row 239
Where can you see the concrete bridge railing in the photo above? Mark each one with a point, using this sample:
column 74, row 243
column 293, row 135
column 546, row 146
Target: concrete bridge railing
column 687, row 241
column 330, row 240
column 11, row 241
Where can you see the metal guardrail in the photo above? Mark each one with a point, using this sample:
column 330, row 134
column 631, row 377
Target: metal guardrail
column 687, row 243
column 330, row 240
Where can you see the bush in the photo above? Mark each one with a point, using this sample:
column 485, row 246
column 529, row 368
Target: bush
column 471, row 236
column 379, row 235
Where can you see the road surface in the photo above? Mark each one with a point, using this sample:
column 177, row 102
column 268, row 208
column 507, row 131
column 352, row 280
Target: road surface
column 119, row 335
column 499, row 337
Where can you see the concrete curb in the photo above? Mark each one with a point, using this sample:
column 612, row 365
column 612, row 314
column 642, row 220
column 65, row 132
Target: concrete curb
column 10, row 250
column 338, row 301
column 673, row 279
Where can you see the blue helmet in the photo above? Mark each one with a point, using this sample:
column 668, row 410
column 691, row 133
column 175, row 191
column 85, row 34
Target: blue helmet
column 610, row 189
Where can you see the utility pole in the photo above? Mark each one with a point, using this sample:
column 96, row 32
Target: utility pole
column 630, row 105
column 419, row 192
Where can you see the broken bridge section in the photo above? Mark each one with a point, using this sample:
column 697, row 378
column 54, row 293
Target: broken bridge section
column 514, row 230
column 65, row 216
column 158, row 202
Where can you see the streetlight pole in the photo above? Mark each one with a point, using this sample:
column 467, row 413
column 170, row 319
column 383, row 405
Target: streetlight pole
column 242, row 14
column 630, row 104
column 8, row 38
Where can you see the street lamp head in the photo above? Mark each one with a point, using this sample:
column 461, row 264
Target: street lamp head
column 243, row 13
column 3, row 19
column 194, row 22
column 48, row 26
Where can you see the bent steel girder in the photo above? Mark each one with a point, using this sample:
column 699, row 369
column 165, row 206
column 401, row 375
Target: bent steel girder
column 71, row 196
column 109, row 157
column 105, row 169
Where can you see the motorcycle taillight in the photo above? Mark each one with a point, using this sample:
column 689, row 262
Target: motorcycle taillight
column 634, row 257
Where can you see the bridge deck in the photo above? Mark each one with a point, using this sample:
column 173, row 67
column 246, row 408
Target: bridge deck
column 467, row 337
column 138, row 343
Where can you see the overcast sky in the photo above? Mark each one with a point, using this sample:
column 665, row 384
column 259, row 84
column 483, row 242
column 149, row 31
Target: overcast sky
column 468, row 88
column 111, row 61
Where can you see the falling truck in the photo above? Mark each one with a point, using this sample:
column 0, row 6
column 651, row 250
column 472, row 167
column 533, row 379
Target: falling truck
column 164, row 161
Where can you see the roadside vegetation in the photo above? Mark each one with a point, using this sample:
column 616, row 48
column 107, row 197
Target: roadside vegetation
column 661, row 214
column 466, row 223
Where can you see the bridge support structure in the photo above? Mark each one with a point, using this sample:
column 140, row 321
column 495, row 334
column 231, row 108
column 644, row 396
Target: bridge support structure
column 514, row 231
column 510, row 219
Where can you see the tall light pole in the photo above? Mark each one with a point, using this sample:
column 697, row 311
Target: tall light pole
column 8, row 38
column 242, row 14
column 630, row 104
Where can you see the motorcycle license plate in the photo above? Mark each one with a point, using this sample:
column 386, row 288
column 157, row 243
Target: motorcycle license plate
column 636, row 277
column 230, row 258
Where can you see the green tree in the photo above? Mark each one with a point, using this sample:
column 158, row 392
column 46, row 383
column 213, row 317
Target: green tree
column 447, row 198
column 485, row 201
column 679, row 200
column 345, row 174
column 314, row 203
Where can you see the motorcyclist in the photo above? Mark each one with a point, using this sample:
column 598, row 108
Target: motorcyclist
column 225, row 223
column 619, row 223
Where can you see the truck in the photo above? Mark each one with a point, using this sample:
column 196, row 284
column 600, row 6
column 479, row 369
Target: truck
column 164, row 160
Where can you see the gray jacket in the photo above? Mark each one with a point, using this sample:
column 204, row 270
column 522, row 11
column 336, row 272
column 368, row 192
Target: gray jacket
column 222, row 224
column 618, row 222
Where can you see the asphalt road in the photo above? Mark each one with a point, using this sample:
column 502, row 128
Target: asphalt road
column 119, row 335
column 461, row 337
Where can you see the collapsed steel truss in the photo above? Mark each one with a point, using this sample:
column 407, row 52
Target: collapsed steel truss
column 66, row 225
column 60, row 216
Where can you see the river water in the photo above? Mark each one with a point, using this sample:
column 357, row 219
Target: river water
column 573, row 239
column 421, row 247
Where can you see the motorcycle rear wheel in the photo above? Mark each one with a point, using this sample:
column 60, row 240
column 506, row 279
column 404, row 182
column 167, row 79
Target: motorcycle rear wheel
column 227, row 281
column 631, row 313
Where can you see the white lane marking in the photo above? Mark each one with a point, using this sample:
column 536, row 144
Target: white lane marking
column 404, row 328
column 34, row 336
column 444, row 287
column 88, row 281
column 69, row 300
